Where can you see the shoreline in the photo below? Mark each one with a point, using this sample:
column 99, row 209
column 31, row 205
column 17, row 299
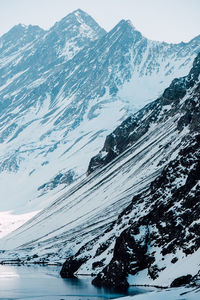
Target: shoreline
column 57, row 264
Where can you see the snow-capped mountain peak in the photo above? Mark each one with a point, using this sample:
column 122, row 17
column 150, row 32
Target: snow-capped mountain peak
column 79, row 20
column 126, row 30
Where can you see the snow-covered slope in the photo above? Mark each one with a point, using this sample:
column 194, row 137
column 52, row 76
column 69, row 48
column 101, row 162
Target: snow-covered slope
column 135, row 219
column 155, row 240
column 62, row 91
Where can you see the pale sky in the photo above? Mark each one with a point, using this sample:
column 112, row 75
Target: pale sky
column 168, row 20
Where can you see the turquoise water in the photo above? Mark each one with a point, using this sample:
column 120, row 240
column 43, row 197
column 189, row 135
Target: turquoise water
column 44, row 283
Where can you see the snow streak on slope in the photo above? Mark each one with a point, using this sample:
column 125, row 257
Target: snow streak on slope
column 63, row 90
column 96, row 200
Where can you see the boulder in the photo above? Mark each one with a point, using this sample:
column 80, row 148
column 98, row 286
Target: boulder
column 183, row 280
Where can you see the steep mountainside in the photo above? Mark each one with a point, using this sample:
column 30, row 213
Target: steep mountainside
column 138, row 124
column 58, row 87
column 135, row 219
column 158, row 234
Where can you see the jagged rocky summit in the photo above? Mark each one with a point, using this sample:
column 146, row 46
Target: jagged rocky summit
column 158, row 233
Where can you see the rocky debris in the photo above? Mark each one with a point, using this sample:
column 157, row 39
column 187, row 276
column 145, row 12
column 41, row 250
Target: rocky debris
column 174, row 260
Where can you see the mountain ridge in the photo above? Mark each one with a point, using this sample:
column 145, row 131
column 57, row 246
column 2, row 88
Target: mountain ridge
column 55, row 94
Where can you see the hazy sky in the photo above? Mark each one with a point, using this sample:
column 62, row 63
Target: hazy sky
column 169, row 20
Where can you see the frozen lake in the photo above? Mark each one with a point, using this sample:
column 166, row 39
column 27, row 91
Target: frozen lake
column 44, row 283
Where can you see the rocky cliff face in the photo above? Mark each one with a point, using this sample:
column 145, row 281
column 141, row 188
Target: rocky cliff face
column 169, row 222
column 159, row 230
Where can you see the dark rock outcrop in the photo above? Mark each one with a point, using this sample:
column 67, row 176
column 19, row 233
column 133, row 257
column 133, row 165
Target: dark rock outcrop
column 70, row 266
column 180, row 281
column 133, row 128
column 128, row 258
column 113, row 276
column 168, row 222
column 62, row 178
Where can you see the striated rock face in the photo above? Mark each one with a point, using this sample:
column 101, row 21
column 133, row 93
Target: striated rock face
column 134, row 127
column 169, row 221
column 159, row 229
